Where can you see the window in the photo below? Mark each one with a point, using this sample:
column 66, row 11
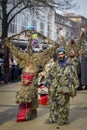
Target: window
column 13, row 25
column 23, row 28
column 24, row 20
column 22, row 23
column 34, row 23
column 13, row 28
column 42, row 28
column 49, row 31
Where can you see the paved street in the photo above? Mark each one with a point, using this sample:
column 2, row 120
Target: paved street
column 9, row 109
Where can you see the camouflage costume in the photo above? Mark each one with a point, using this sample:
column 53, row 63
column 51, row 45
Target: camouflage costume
column 74, row 61
column 27, row 95
column 63, row 80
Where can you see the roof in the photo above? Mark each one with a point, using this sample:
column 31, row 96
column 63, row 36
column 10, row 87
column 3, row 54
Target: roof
column 72, row 15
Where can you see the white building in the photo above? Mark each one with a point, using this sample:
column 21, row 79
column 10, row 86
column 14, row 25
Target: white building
column 43, row 22
column 47, row 22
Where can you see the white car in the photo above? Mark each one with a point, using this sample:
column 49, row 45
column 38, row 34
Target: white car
column 36, row 49
column 43, row 45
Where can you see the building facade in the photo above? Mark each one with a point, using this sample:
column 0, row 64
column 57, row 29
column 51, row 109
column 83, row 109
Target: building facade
column 48, row 22
column 80, row 20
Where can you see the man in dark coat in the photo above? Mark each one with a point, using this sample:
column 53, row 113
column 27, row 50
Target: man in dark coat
column 82, row 70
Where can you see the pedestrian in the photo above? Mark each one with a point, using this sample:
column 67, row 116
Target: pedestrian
column 63, row 81
column 82, row 70
column 10, row 71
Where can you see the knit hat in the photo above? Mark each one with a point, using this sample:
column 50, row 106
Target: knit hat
column 60, row 50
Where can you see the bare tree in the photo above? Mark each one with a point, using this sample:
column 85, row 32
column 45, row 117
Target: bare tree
column 11, row 8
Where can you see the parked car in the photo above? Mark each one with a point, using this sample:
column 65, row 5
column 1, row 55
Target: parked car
column 43, row 45
column 36, row 49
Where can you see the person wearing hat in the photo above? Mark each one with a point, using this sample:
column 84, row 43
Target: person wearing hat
column 62, row 81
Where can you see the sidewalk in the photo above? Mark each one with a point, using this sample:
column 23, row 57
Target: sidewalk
column 78, row 112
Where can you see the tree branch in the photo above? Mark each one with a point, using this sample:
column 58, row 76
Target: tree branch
column 16, row 6
column 16, row 14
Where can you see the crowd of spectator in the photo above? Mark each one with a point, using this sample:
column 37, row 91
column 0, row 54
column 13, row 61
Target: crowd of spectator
column 14, row 71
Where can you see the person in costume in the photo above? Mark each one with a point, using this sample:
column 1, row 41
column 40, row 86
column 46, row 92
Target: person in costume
column 27, row 96
column 73, row 58
column 62, row 81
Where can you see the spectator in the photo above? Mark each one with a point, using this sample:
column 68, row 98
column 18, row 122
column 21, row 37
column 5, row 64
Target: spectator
column 82, row 70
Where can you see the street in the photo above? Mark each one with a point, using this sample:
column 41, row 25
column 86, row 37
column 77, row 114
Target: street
column 9, row 110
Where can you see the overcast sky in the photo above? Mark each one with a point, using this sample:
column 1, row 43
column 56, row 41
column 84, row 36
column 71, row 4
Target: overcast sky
column 83, row 8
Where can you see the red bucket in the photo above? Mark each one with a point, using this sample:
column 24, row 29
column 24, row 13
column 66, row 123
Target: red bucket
column 43, row 99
